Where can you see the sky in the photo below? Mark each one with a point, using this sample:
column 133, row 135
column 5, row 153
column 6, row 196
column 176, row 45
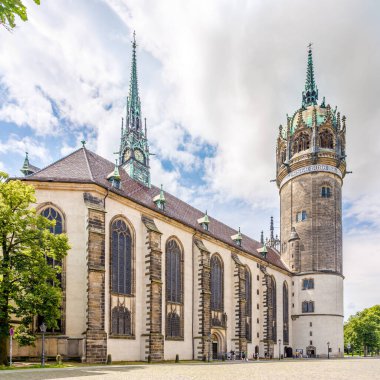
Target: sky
column 216, row 80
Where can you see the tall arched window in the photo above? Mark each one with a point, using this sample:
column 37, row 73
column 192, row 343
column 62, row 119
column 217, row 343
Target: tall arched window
column 272, row 309
column 121, row 258
column 326, row 140
column 174, row 289
column 302, row 142
column 285, row 308
column 248, row 304
column 173, row 272
column 121, row 250
column 52, row 213
column 216, row 283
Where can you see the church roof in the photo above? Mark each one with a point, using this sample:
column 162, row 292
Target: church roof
column 85, row 166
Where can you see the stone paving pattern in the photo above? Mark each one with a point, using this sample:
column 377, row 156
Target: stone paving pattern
column 292, row 370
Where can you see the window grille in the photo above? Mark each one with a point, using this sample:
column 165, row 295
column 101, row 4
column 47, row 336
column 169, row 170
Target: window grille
column 285, row 308
column 216, row 284
column 121, row 258
column 248, row 304
column 121, row 321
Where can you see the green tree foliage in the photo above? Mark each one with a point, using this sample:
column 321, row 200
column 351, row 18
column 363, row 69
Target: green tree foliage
column 28, row 284
column 362, row 331
column 9, row 9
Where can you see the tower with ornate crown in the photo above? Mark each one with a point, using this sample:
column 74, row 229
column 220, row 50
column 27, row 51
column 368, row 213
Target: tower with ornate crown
column 134, row 147
column 311, row 165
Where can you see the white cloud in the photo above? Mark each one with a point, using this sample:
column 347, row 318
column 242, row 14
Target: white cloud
column 26, row 144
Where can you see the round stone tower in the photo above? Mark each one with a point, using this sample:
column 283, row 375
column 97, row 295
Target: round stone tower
column 311, row 166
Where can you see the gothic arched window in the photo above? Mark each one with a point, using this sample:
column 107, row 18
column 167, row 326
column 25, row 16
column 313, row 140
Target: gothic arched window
column 52, row 214
column 326, row 140
column 121, row 321
column 173, row 325
column 302, row 142
column 121, row 258
column 216, row 283
column 285, row 309
column 248, row 304
column 174, row 289
column 272, row 308
column 173, row 272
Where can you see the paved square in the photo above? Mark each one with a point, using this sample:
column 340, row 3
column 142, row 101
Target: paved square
column 292, row 370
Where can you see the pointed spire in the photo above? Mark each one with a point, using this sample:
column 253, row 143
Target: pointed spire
column 310, row 95
column 133, row 100
column 25, row 167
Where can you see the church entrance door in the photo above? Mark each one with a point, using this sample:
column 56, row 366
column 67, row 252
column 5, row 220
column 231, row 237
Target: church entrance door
column 310, row 352
column 215, row 350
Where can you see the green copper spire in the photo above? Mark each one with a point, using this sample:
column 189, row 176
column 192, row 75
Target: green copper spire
column 133, row 99
column 25, row 167
column 310, row 95
column 134, row 146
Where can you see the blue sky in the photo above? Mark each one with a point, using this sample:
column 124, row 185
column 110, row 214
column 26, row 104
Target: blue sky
column 216, row 79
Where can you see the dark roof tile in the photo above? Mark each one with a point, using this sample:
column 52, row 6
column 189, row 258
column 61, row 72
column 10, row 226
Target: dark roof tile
column 84, row 166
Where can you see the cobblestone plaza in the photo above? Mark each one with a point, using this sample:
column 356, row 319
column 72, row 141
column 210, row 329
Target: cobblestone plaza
column 287, row 369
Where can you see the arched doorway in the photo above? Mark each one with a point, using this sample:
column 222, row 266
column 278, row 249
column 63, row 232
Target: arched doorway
column 288, row 352
column 217, row 346
column 311, row 352
column 214, row 347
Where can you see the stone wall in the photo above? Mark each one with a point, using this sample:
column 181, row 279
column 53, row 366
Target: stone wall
column 321, row 233
column 155, row 346
column 96, row 337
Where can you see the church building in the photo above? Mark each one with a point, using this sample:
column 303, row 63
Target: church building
column 149, row 277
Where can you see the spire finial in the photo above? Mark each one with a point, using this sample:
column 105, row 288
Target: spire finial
column 83, row 142
column 271, row 229
column 310, row 95
column 133, row 100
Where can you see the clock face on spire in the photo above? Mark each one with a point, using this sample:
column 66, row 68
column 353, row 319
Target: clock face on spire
column 127, row 154
column 139, row 156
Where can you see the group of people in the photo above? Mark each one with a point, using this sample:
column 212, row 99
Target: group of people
column 232, row 355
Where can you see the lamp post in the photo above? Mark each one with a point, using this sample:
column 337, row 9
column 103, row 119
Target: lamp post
column 328, row 350
column 279, row 349
column 43, row 330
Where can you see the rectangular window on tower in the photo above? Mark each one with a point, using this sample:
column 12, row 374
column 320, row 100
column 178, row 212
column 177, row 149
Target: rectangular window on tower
column 307, row 283
column 301, row 216
column 325, row 192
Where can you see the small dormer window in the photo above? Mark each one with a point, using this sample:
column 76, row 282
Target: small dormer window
column 263, row 251
column 237, row 238
column 114, row 177
column 160, row 200
column 204, row 221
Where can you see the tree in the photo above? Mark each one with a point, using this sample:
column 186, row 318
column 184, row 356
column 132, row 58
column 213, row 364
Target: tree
column 10, row 8
column 29, row 285
column 362, row 331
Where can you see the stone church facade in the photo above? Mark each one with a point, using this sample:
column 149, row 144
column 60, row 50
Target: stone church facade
column 149, row 276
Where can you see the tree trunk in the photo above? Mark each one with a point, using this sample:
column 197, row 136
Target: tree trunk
column 4, row 306
column 3, row 351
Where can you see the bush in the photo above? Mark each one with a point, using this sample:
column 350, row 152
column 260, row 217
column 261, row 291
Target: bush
column 109, row 359
column 177, row 358
column 58, row 359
